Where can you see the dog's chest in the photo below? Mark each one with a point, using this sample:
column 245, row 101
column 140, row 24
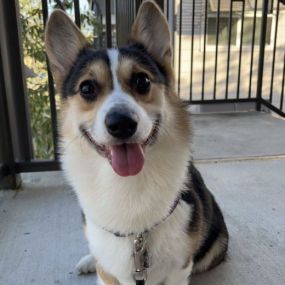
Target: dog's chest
column 168, row 247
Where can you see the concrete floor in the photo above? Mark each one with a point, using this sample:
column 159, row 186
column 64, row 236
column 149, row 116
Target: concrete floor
column 240, row 157
column 238, row 135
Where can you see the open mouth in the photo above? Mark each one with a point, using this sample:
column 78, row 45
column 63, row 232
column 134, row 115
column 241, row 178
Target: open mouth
column 127, row 159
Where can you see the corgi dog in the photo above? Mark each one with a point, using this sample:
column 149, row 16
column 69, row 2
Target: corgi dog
column 126, row 150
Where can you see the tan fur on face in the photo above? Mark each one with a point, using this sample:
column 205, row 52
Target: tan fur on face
column 129, row 66
column 183, row 126
column 94, row 71
column 126, row 69
column 98, row 71
column 77, row 109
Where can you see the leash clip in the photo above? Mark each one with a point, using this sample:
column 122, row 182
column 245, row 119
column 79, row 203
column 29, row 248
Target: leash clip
column 141, row 258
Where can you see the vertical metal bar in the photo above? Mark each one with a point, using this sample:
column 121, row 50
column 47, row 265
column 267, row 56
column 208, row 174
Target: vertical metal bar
column 15, row 84
column 217, row 48
column 282, row 91
column 179, row 49
column 274, row 52
column 192, row 49
column 229, row 50
column 167, row 9
column 261, row 55
column 77, row 13
column 8, row 177
column 240, row 50
column 108, row 18
column 160, row 3
column 137, row 4
column 252, row 50
column 125, row 13
column 45, row 11
column 171, row 23
column 51, row 91
column 205, row 46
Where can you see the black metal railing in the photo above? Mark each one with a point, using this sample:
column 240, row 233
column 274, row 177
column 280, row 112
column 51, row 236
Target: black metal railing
column 219, row 58
column 227, row 69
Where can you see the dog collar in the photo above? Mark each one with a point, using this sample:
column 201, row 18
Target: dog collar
column 140, row 250
column 122, row 235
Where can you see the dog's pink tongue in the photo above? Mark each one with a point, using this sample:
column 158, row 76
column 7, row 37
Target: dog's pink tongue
column 127, row 159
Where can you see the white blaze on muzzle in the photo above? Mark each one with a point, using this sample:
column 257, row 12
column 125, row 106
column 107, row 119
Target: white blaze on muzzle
column 123, row 125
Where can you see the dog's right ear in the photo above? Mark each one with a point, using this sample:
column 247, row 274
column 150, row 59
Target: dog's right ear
column 63, row 42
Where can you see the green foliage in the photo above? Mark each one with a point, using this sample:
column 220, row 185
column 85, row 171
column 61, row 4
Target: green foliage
column 35, row 60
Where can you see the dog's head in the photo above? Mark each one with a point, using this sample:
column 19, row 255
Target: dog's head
column 119, row 99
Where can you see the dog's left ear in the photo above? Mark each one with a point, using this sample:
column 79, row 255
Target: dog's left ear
column 151, row 30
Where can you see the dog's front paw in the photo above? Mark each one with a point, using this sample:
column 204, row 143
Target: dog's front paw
column 86, row 265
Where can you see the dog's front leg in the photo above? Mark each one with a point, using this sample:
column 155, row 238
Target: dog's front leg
column 87, row 264
column 179, row 276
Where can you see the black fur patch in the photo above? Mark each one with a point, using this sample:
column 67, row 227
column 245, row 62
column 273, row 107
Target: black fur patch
column 199, row 197
column 192, row 200
column 201, row 190
column 140, row 54
column 216, row 227
column 85, row 56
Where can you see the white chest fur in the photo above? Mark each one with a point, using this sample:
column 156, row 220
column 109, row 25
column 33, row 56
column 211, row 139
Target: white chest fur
column 168, row 248
column 133, row 204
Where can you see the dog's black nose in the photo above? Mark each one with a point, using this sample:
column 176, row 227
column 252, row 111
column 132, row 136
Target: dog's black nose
column 121, row 124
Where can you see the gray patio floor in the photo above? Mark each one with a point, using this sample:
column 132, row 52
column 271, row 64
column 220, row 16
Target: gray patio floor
column 242, row 158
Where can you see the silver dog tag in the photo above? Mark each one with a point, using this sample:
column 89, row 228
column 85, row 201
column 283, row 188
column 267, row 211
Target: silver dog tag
column 141, row 258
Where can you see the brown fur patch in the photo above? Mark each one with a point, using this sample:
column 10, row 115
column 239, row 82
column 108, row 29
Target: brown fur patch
column 77, row 109
column 126, row 69
column 215, row 256
column 98, row 71
column 182, row 117
column 195, row 240
column 107, row 278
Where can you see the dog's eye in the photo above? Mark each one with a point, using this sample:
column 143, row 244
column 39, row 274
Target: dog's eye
column 88, row 90
column 141, row 83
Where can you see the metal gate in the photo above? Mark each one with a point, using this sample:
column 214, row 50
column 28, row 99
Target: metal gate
column 232, row 52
